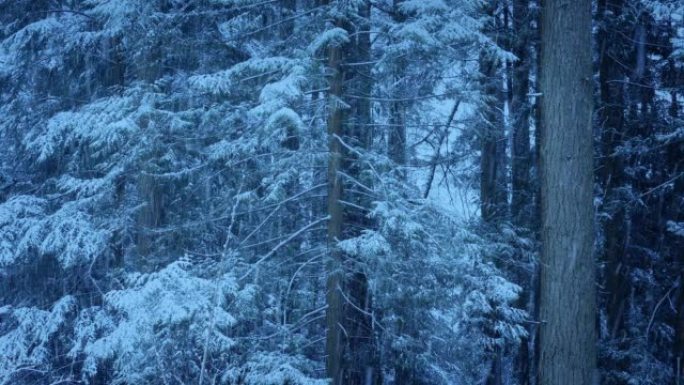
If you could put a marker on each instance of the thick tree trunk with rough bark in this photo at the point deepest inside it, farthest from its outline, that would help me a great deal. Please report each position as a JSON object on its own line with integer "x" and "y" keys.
{"x": 568, "y": 290}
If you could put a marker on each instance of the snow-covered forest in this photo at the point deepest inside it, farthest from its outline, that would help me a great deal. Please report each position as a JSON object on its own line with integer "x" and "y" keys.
{"x": 343, "y": 192}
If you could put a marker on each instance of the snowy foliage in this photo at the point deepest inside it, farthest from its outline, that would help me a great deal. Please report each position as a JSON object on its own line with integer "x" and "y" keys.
{"x": 444, "y": 303}
{"x": 163, "y": 191}
{"x": 145, "y": 329}
{"x": 29, "y": 228}
{"x": 28, "y": 337}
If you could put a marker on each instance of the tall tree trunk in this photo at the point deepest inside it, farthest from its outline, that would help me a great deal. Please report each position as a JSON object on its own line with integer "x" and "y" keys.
{"x": 397, "y": 125}
{"x": 611, "y": 171}
{"x": 351, "y": 352}
{"x": 535, "y": 219}
{"x": 520, "y": 110}
{"x": 568, "y": 291}
{"x": 493, "y": 189}
{"x": 288, "y": 219}
{"x": 678, "y": 345}
{"x": 334, "y": 313}
{"x": 520, "y": 164}
{"x": 362, "y": 350}
{"x": 676, "y": 242}
{"x": 492, "y": 178}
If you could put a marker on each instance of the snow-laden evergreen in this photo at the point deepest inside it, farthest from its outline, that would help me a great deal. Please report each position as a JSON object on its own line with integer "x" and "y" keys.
{"x": 163, "y": 210}
{"x": 165, "y": 169}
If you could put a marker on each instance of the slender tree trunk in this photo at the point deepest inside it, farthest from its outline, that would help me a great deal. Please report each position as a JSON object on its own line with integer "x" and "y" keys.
{"x": 352, "y": 357}
{"x": 520, "y": 164}
{"x": 673, "y": 209}
{"x": 568, "y": 298}
{"x": 397, "y": 122}
{"x": 334, "y": 313}
{"x": 611, "y": 171}
{"x": 671, "y": 203}
{"x": 535, "y": 220}
{"x": 520, "y": 110}
{"x": 363, "y": 367}
{"x": 149, "y": 217}
{"x": 493, "y": 189}
{"x": 493, "y": 143}
{"x": 397, "y": 135}
{"x": 288, "y": 219}
{"x": 495, "y": 377}
{"x": 288, "y": 11}
{"x": 678, "y": 348}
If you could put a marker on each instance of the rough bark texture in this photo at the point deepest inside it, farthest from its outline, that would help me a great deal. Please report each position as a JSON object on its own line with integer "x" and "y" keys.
{"x": 568, "y": 298}
{"x": 352, "y": 357}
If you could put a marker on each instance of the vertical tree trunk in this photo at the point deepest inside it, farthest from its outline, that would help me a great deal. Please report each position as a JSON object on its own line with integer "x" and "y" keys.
{"x": 149, "y": 217}
{"x": 568, "y": 303}
{"x": 397, "y": 125}
{"x": 494, "y": 377}
{"x": 676, "y": 242}
{"x": 520, "y": 164}
{"x": 492, "y": 178}
{"x": 289, "y": 218}
{"x": 404, "y": 369}
{"x": 350, "y": 344}
{"x": 287, "y": 16}
{"x": 334, "y": 315}
{"x": 363, "y": 365}
{"x": 397, "y": 135}
{"x": 493, "y": 189}
{"x": 535, "y": 219}
{"x": 520, "y": 110}
{"x": 611, "y": 80}
{"x": 678, "y": 346}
